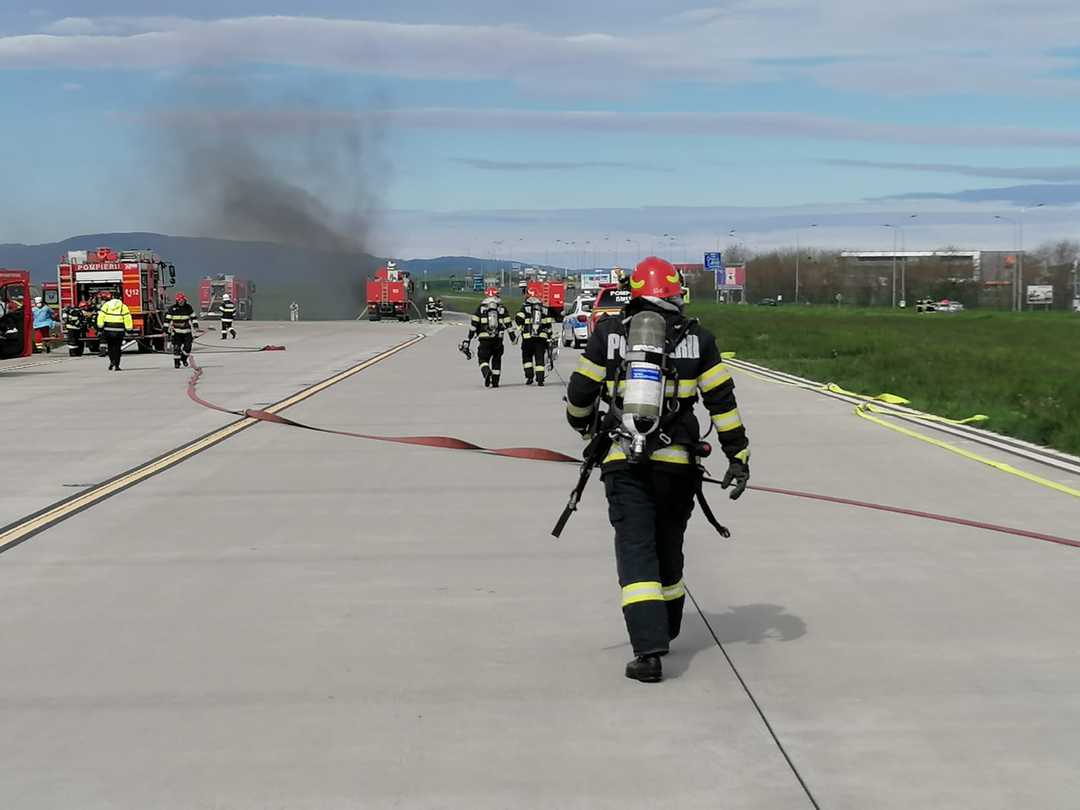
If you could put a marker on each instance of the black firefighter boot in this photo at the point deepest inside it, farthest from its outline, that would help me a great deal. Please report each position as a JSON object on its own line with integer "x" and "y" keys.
{"x": 645, "y": 668}
{"x": 487, "y": 377}
{"x": 176, "y": 362}
{"x": 540, "y": 379}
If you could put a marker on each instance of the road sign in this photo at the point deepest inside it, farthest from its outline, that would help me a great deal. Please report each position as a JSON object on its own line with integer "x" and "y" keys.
{"x": 1040, "y": 294}
{"x": 714, "y": 262}
{"x": 731, "y": 278}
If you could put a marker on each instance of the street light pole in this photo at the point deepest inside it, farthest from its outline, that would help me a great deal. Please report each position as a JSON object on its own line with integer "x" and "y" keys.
{"x": 894, "y": 232}
{"x": 1016, "y": 276}
{"x": 798, "y": 256}
{"x": 1020, "y": 285}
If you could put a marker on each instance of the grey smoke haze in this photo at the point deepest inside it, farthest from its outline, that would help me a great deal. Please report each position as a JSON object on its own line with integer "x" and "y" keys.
{"x": 311, "y": 187}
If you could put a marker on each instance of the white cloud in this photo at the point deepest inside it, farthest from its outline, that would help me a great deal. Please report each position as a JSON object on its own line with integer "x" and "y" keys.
{"x": 1049, "y": 174}
{"x": 854, "y": 226}
{"x": 613, "y": 123}
{"x": 921, "y": 46}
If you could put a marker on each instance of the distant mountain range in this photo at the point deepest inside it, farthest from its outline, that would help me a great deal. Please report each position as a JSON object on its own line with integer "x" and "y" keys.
{"x": 266, "y": 262}
{"x": 326, "y": 284}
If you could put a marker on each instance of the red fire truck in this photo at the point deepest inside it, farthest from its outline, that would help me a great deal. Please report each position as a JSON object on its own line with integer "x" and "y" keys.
{"x": 137, "y": 277}
{"x": 212, "y": 291}
{"x": 16, "y": 314}
{"x": 390, "y": 294}
{"x": 552, "y": 293}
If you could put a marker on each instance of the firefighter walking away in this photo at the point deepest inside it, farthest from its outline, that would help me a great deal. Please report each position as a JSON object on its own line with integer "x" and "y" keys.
{"x": 114, "y": 322}
{"x": 228, "y": 313}
{"x": 182, "y": 325}
{"x": 75, "y": 328}
{"x": 490, "y": 320}
{"x": 650, "y": 366}
{"x": 535, "y": 324}
{"x": 431, "y": 310}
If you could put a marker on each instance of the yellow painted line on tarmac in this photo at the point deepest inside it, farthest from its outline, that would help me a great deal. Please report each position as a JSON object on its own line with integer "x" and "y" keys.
{"x": 25, "y": 528}
{"x": 867, "y": 410}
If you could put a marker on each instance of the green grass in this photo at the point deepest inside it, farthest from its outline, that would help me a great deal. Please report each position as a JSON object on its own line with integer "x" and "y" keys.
{"x": 1021, "y": 370}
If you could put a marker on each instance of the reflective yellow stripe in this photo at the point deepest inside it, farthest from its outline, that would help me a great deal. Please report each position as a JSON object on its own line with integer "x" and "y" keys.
{"x": 611, "y": 387}
{"x": 642, "y": 592}
{"x": 672, "y": 592}
{"x": 743, "y": 455}
{"x": 675, "y": 454}
{"x": 714, "y": 377}
{"x": 687, "y": 388}
{"x": 587, "y": 368}
{"x": 577, "y": 412}
{"x": 614, "y": 454}
{"x": 527, "y": 365}
{"x": 727, "y": 421}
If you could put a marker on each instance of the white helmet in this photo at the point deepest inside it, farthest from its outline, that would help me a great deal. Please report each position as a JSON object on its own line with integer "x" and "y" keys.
{"x": 38, "y": 300}
{"x": 430, "y": 300}
{"x": 226, "y": 297}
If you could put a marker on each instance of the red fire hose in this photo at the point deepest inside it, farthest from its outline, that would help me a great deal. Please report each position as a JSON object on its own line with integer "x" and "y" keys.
{"x": 542, "y": 454}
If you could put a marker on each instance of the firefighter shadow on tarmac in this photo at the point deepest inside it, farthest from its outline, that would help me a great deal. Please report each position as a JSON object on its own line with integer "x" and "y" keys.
{"x": 745, "y": 624}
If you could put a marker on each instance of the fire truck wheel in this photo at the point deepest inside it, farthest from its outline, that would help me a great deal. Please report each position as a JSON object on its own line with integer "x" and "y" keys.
{"x": 144, "y": 346}
{"x": 159, "y": 344}
{"x": 75, "y": 351}
{"x": 373, "y": 316}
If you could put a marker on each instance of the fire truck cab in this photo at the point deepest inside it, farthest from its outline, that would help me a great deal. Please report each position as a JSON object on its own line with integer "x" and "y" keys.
{"x": 16, "y": 314}
{"x": 212, "y": 291}
{"x": 390, "y": 294}
{"x": 552, "y": 293}
{"x": 139, "y": 278}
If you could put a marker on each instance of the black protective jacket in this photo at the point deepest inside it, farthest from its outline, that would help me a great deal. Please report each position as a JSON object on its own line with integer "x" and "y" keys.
{"x": 698, "y": 372}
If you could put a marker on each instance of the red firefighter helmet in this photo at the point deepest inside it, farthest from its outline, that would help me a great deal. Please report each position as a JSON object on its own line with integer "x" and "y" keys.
{"x": 180, "y": 298}
{"x": 655, "y": 278}
{"x": 492, "y": 292}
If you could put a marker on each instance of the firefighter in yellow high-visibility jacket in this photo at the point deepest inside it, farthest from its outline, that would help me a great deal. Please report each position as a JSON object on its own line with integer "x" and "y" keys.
{"x": 114, "y": 322}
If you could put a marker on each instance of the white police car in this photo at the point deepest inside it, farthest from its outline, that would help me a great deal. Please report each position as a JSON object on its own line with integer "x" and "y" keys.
{"x": 575, "y": 325}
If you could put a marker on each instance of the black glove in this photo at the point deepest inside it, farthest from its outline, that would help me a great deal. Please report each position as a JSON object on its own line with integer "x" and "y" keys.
{"x": 513, "y": 337}
{"x": 738, "y": 473}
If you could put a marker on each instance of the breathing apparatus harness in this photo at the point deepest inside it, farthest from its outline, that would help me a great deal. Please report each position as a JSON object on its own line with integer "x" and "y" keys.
{"x": 641, "y": 424}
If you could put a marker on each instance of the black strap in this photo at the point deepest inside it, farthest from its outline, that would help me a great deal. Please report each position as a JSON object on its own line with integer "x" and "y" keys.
{"x": 708, "y": 512}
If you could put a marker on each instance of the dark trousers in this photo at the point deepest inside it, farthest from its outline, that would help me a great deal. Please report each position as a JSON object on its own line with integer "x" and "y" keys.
{"x": 534, "y": 357}
{"x": 226, "y": 326}
{"x": 489, "y": 352}
{"x": 114, "y": 341}
{"x": 181, "y": 345}
{"x": 649, "y": 508}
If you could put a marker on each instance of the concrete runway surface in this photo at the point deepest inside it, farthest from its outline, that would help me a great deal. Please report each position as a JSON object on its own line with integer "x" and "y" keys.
{"x": 291, "y": 619}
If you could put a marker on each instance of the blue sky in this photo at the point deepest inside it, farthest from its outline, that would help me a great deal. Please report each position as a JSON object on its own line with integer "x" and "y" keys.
{"x": 485, "y": 122}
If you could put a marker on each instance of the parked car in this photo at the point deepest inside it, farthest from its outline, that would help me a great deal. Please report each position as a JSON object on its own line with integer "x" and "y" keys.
{"x": 767, "y": 302}
{"x": 928, "y": 305}
{"x": 575, "y": 325}
{"x": 609, "y": 301}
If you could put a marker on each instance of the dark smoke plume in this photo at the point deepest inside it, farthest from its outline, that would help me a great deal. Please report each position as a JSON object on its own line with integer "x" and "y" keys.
{"x": 306, "y": 182}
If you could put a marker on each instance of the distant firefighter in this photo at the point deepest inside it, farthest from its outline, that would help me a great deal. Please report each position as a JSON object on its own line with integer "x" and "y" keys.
{"x": 490, "y": 320}
{"x": 182, "y": 325}
{"x": 114, "y": 322}
{"x": 536, "y": 324}
{"x": 228, "y": 313}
